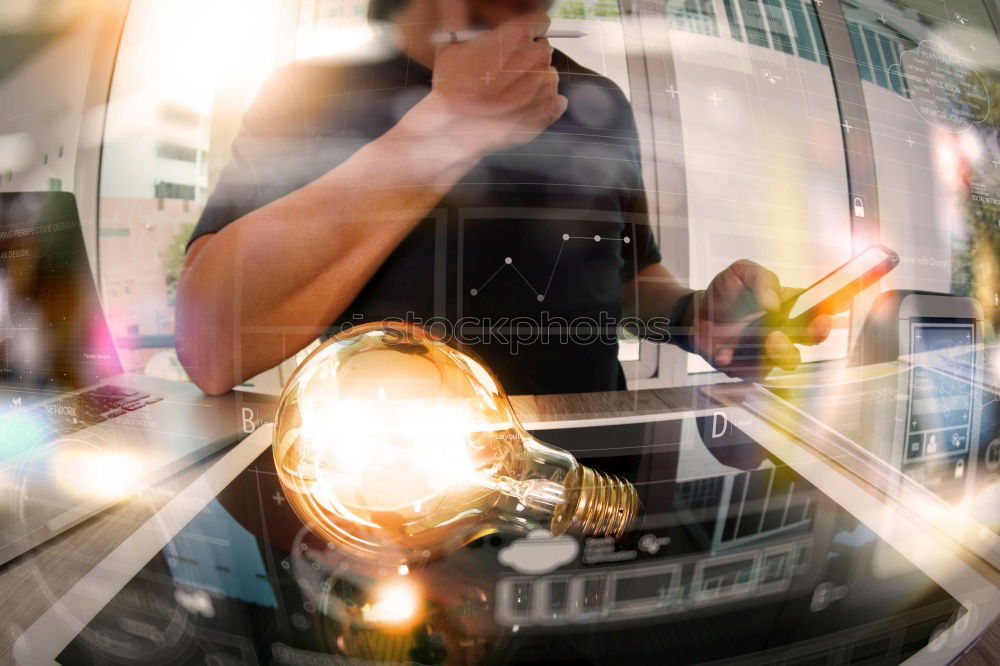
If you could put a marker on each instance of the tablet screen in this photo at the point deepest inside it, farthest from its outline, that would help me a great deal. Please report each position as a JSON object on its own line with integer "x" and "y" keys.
{"x": 930, "y": 421}
{"x": 736, "y": 555}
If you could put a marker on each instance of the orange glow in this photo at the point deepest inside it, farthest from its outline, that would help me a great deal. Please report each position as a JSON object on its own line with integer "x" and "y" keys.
{"x": 97, "y": 474}
{"x": 394, "y": 603}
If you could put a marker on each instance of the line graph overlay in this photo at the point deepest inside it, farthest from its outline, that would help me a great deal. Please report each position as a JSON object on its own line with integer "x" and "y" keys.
{"x": 540, "y": 295}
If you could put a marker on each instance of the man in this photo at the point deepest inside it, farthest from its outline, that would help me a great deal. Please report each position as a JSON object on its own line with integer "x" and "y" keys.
{"x": 494, "y": 184}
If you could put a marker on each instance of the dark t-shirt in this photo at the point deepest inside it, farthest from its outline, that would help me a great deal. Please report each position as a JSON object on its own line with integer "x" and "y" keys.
{"x": 523, "y": 261}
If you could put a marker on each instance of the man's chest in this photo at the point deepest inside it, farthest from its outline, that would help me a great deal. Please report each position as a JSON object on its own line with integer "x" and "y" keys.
{"x": 586, "y": 159}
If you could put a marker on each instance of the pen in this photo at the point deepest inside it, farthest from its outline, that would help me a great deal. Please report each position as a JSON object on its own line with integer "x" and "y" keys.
{"x": 466, "y": 35}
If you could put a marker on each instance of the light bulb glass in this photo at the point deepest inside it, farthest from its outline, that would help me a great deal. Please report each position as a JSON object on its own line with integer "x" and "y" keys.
{"x": 397, "y": 447}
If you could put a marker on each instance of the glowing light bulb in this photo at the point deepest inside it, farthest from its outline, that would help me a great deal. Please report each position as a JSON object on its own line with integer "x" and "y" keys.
{"x": 396, "y": 447}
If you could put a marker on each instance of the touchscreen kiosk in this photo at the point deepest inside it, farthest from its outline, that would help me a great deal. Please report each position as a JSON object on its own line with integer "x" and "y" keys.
{"x": 921, "y": 407}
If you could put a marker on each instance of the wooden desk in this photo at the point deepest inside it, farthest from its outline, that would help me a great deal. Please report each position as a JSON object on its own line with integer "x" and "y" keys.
{"x": 32, "y": 582}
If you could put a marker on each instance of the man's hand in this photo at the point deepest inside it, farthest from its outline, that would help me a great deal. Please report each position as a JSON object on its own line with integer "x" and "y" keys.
{"x": 494, "y": 92}
{"x": 737, "y": 296}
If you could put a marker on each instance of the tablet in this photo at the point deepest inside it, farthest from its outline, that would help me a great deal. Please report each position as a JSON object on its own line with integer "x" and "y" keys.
{"x": 742, "y": 553}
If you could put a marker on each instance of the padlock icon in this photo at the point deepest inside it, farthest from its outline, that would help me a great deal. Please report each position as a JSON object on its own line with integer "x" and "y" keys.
{"x": 859, "y": 207}
{"x": 959, "y": 469}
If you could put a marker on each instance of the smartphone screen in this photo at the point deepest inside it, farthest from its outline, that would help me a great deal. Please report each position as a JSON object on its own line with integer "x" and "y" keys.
{"x": 860, "y": 266}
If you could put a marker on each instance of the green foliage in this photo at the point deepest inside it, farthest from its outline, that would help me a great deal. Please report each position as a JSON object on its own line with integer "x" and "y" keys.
{"x": 605, "y": 9}
{"x": 172, "y": 257}
{"x": 572, "y": 9}
{"x": 976, "y": 252}
{"x": 583, "y": 9}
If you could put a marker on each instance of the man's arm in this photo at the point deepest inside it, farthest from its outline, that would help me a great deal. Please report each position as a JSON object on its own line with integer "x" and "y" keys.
{"x": 716, "y": 317}
{"x": 652, "y": 293}
{"x": 271, "y": 282}
{"x": 266, "y": 285}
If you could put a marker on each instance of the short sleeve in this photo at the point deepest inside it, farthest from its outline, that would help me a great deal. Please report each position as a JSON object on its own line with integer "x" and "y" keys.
{"x": 267, "y": 155}
{"x": 642, "y": 249}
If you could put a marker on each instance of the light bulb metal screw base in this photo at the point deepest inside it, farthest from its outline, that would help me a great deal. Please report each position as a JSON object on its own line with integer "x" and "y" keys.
{"x": 605, "y": 505}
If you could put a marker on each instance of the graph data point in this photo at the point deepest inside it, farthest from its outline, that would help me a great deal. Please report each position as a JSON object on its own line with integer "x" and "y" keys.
{"x": 508, "y": 260}
{"x": 597, "y": 239}
{"x": 473, "y": 291}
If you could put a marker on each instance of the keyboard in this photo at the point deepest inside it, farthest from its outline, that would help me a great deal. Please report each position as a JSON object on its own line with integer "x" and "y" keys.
{"x": 104, "y": 403}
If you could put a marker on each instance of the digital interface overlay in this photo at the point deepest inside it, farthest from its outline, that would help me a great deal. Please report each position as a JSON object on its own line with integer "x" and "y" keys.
{"x": 752, "y": 547}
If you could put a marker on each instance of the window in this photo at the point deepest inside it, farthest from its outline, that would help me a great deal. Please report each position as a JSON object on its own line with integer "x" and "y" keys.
{"x": 178, "y": 115}
{"x": 174, "y": 191}
{"x": 734, "y": 22}
{"x": 172, "y": 115}
{"x": 173, "y": 151}
{"x": 877, "y": 49}
{"x": 927, "y": 89}
{"x": 694, "y": 16}
{"x": 860, "y": 52}
{"x": 780, "y": 35}
{"x": 790, "y": 25}
{"x": 875, "y": 57}
{"x": 753, "y": 23}
{"x": 747, "y": 120}
{"x": 807, "y": 39}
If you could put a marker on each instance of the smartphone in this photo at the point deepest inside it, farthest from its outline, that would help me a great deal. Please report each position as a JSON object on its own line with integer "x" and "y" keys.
{"x": 831, "y": 294}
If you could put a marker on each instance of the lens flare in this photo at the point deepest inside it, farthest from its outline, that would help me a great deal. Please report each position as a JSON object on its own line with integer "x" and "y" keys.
{"x": 97, "y": 474}
{"x": 394, "y": 603}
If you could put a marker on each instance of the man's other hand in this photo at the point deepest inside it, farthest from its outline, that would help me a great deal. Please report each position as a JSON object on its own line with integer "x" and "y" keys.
{"x": 736, "y": 297}
{"x": 496, "y": 91}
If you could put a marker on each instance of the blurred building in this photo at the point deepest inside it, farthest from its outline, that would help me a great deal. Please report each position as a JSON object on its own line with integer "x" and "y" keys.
{"x": 180, "y": 89}
{"x": 318, "y": 12}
